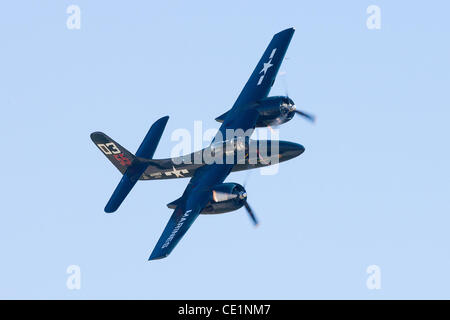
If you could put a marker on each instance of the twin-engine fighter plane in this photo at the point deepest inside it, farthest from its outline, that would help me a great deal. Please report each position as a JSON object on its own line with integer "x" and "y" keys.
{"x": 206, "y": 192}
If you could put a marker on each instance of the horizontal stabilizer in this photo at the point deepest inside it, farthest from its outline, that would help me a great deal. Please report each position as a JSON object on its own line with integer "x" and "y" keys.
{"x": 148, "y": 146}
{"x": 125, "y": 185}
{"x": 131, "y": 166}
{"x": 120, "y": 193}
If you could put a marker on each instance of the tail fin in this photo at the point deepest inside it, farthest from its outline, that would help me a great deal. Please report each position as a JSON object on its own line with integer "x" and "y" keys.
{"x": 133, "y": 167}
{"x": 120, "y": 157}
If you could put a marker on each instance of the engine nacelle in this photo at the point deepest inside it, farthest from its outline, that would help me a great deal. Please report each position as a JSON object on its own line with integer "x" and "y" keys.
{"x": 274, "y": 111}
{"x": 224, "y": 197}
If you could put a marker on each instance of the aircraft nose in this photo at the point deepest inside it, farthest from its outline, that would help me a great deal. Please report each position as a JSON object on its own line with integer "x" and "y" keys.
{"x": 291, "y": 149}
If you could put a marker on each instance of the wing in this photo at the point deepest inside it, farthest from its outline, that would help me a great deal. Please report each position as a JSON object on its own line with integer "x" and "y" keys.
{"x": 179, "y": 223}
{"x": 242, "y": 115}
{"x": 263, "y": 77}
{"x": 194, "y": 199}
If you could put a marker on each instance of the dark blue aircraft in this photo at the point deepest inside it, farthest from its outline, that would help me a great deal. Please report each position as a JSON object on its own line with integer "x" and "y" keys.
{"x": 206, "y": 192}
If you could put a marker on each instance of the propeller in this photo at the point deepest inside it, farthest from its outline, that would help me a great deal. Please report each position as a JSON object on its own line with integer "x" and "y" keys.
{"x": 247, "y": 206}
{"x": 219, "y": 196}
{"x": 250, "y": 213}
{"x": 306, "y": 115}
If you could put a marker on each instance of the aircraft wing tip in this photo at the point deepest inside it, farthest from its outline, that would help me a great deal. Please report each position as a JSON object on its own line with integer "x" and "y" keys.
{"x": 157, "y": 257}
{"x": 289, "y": 32}
{"x": 291, "y": 29}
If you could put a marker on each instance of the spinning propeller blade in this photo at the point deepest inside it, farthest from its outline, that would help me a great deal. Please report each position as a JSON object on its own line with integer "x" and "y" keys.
{"x": 250, "y": 213}
{"x": 247, "y": 206}
{"x": 306, "y": 115}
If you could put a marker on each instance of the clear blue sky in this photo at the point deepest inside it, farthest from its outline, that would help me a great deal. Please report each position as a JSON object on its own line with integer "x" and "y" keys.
{"x": 371, "y": 188}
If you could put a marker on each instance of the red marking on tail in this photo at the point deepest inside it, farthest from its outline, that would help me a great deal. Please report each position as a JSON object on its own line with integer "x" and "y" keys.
{"x": 124, "y": 161}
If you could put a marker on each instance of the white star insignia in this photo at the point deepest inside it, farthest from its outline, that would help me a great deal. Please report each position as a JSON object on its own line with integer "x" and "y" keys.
{"x": 267, "y": 65}
{"x": 176, "y": 172}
